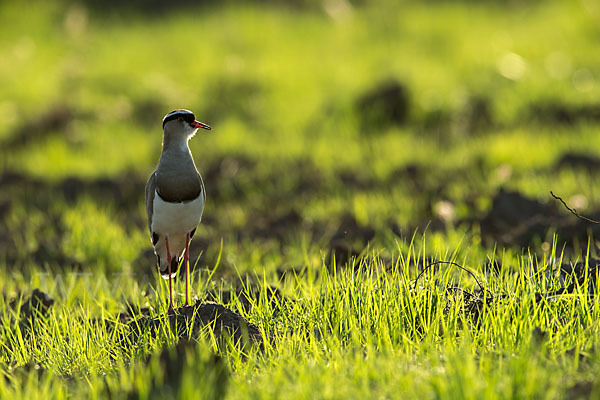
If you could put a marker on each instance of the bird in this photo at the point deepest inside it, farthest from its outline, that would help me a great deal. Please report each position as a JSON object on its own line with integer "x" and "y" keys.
{"x": 175, "y": 197}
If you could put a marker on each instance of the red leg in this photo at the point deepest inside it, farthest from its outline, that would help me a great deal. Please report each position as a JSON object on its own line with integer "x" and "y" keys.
{"x": 169, "y": 262}
{"x": 186, "y": 261}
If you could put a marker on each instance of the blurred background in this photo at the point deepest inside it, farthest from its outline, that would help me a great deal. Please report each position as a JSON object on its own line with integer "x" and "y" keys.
{"x": 336, "y": 124}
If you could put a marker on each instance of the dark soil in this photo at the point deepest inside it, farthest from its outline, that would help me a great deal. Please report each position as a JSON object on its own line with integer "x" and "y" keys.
{"x": 477, "y": 115}
{"x": 581, "y": 275}
{"x": 272, "y": 226}
{"x": 125, "y": 191}
{"x": 558, "y": 112}
{"x": 387, "y": 104}
{"x": 358, "y": 180}
{"x": 580, "y": 390}
{"x": 52, "y": 122}
{"x": 579, "y": 161}
{"x": 273, "y": 199}
{"x": 474, "y": 117}
{"x": 516, "y": 220}
{"x": 38, "y": 304}
{"x": 411, "y": 174}
{"x": 349, "y": 240}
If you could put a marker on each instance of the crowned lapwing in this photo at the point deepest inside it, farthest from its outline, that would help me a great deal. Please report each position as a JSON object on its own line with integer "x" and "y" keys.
{"x": 175, "y": 197}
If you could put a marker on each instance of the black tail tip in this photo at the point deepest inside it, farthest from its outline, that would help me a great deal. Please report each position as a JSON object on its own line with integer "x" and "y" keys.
{"x": 174, "y": 269}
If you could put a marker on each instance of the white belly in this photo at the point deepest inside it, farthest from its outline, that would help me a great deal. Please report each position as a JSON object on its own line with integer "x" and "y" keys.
{"x": 176, "y": 218}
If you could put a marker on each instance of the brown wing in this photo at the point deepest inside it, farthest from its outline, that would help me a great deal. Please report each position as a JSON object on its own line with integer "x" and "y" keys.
{"x": 175, "y": 186}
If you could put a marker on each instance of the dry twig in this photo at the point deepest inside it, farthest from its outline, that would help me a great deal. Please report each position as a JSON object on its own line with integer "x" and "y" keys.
{"x": 574, "y": 211}
{"x": 456, "y": 265}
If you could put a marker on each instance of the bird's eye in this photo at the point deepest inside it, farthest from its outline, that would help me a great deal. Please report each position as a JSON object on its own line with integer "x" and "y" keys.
{"x": 180, "y": 119}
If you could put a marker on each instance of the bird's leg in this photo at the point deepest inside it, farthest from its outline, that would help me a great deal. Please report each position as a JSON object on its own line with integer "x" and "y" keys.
{"x": 169, "y": 262}
{"x": 186, "y": 261}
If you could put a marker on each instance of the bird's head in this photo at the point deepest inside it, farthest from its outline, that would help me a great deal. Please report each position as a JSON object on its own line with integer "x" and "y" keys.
{"x": 182, "y": 122}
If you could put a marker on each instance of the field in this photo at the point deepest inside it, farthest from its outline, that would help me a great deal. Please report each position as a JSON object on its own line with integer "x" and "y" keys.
{"x": 378, "y": 224}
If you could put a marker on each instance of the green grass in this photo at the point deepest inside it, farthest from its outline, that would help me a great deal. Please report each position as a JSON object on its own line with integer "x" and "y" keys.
{"x": 370, "y": 330}
{"x": 280, "y": 85}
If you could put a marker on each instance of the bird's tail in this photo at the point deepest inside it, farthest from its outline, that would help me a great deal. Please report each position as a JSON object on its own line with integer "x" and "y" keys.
{"x": 164, "y": 273}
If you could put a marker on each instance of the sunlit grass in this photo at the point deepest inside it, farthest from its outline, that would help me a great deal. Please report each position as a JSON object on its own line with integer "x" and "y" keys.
{"x": 93, "y": 236}
{"x": 280, "y": 87}
{"x": 370, "y": 329}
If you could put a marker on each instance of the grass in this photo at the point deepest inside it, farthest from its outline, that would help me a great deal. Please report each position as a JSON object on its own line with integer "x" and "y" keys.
{"x": 369, "y": 330}
{"x": 497, "y": 95}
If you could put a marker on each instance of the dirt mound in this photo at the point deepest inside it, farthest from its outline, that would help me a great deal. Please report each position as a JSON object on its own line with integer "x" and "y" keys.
{"x": 580, "y": 161}
{"x": 126, "y": 191}
{"x": 51, "y": 122}
{"x": 273, "y": 226}
{"x": 475, "y": 116}
{"x": 38, "y": 304}
{"x": 350, "y": 239}
{"x": 385, "y": 105}
{"x": 557, "y": 112}
{"x": 516, "y": 220}
{"x": 190, "y": 320}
